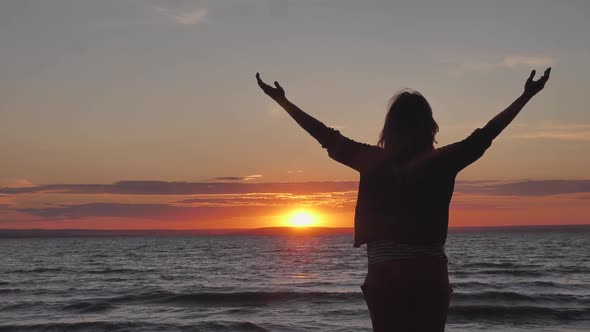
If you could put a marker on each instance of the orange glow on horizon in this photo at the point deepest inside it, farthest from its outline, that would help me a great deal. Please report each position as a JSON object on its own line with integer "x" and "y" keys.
{"x": 220, "y": 211}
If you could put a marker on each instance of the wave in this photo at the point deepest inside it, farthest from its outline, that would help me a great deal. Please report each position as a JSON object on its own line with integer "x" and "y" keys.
{"x": 23, "y": 305}
{"x": 496, "y": 312}
{"x": 38, "y": 270}
{"x": 236, "y": 298}
{"x": 528, "y": 285}
{"x": 508, "y": 297}
{"x": 568, "y": 269}
{"x": 483, "y": 269}
{"x": 231, "y": 326}
{"x": 487, "y": 298}
{"x": 121, "y": 271}
{"x": 501, "y": 272}
{"x": 100, "y": 326}
{"x": 489, "y": 305}
{"x": 95, "y": 271}
{"x": 88, "y": 306}
{"x": 211, "y": 299}
{"x": 10, "y": 290}
{"x": 496, "y": 265}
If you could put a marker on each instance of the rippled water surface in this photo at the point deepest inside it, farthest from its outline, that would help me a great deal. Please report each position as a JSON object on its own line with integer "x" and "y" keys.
{"x": 502, "y": 280}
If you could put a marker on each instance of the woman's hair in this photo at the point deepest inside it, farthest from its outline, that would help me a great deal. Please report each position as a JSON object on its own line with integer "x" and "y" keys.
{"x": 409, "y": 127}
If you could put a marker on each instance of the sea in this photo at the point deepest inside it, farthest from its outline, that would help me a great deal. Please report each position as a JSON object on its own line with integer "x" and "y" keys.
{"x": 504, "y": 279}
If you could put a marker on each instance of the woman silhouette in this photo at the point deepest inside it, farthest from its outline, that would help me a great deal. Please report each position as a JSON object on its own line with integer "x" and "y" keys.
{"x": 403, "y": 201}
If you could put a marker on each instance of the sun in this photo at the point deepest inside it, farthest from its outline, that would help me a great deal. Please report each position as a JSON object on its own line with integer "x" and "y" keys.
{"x": 301, "y": 218}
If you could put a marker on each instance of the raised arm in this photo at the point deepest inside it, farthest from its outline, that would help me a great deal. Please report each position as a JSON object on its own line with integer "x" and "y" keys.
{"x": 456, "y": 156}
{"x": 358, "y": 156}
{"x": 310, "y": 124}
{"x": 504, "y": 118}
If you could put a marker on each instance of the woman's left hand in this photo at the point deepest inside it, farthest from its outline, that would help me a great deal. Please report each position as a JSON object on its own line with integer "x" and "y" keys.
{"x": 276, "y": 93}
{"x": 532, "y": 87}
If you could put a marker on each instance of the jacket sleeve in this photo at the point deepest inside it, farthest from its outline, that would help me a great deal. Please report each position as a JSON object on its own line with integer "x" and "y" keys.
{"x": 456, "y": 156}
{"x": 344, "y": 150}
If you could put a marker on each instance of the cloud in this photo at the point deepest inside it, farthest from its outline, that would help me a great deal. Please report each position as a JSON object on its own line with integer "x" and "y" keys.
{"x": 328, "y": 199}
{"x": 209, "y": 203}
{"x": 184, "y": 17}
{"x": 555, "y": 135}
{"x": 510, "y": 62}
{"x": 19, "y": 183}
{"x": 529, "y": 61}
{"x": 570, "y": 132}
{"x": 145, "y": 211}
{"x": 160, "y": 212}
{"x": 188, "y": 188}
{"x": 525, "y": 187}
{"x": 484, "y": 206}
{"x": 237, "y": 178}
{"x": 522, "y": 187}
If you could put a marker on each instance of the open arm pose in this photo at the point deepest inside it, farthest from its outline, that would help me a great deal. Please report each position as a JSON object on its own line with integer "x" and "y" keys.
{"x": 313, "y": 126}
{"x": 358, "y": 156}
{"x": 456, "y": 156}
{"x": 362, "y": 156}
{"x": 531, "y": 88}
{"x": 402, "y": 210}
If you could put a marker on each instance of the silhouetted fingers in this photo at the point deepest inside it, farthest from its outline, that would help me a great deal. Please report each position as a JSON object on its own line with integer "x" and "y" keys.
{"x": 258, "y": 79}
{"x": 546, "y": 74}
{"x": 532, "y": 75}
{"x": 278, "y": 85}
{"x": 261, "y": 83}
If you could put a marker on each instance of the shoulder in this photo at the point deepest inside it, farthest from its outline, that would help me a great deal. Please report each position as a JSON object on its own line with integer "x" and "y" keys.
{"x": 372, "y": 157}
{"x": 479, "y": 139}
{"x": 460, "y": 154}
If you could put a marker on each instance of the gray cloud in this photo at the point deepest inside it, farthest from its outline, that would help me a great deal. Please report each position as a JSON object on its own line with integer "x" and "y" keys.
{"x": 480, "y": 206}
{"x": 161, "y": 212}
{"x": 331, "y": 199}
{"x": 222, "y": 200}
{"x": 515, "y": 188}
{"x": 229, "y": 178}
{"x": 143, "y": 211}
{"x": 187, "y": 188}
{"x": 526, "y": 187}
{"x": 236, "y": 178}
{"x": 509, "y": 61}
{"x": 183, "y": 16}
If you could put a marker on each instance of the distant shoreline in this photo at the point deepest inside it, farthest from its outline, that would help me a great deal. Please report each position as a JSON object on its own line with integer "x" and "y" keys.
{"x": 267, "y": 231}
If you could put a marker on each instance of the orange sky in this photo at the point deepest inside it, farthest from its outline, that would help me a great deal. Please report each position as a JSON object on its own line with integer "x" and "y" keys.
{"x": 93, "y": 92}
{"x": 246, "y": 204}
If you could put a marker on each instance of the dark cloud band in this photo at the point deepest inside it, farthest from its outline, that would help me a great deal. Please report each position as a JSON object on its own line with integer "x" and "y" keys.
{"x": 516, "y": 188}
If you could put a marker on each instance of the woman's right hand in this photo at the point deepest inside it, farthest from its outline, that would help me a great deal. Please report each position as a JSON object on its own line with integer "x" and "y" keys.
{"x": 277, "y": 93}
{"x": 531, "y": 87}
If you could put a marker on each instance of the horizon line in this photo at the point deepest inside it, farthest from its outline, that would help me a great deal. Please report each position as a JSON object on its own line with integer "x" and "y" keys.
{"x": 257, "y": 228}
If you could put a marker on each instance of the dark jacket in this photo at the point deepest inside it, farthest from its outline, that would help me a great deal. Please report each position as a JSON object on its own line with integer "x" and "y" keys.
{"x": 406, "y": 201}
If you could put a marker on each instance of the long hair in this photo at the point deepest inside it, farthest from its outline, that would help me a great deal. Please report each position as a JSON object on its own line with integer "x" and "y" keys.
{"x": 409, "y": 128}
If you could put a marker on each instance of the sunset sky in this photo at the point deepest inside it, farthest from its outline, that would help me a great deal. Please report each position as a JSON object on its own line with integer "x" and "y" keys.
{"x": 135, "y": 114}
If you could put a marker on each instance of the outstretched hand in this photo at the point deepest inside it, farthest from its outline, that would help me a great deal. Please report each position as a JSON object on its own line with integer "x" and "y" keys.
{"x": 275, "y": 93}
{"x": 533, "y": 87}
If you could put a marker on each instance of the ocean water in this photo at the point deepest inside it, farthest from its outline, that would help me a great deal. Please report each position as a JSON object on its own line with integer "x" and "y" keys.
{"x": 526, "y": 280}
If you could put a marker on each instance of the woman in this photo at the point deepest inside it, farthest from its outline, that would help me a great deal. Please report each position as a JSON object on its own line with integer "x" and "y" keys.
{"x": 403, "y": 202}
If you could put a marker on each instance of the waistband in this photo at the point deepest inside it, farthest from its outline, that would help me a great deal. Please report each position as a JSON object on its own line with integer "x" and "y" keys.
{"x": 380, "y": 251}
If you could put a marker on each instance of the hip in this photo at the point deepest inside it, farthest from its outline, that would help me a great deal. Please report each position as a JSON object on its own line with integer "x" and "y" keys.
{"x": 427, "y": 273}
